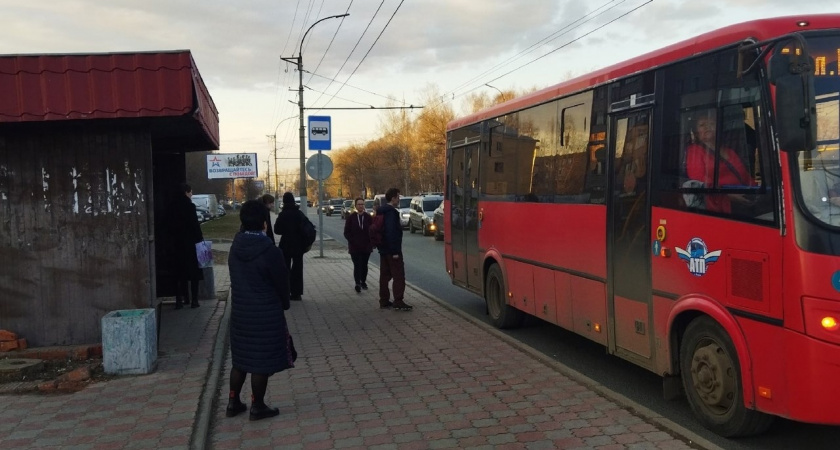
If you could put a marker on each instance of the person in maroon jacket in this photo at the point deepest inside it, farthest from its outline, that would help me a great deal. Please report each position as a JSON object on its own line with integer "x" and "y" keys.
{"x": 358, "y": 242}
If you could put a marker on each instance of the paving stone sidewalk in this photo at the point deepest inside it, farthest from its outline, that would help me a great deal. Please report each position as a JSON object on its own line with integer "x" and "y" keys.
{"x": 429, "y": 378}
{"x": 366, "y": 378}
{"x": 159, "y": 410}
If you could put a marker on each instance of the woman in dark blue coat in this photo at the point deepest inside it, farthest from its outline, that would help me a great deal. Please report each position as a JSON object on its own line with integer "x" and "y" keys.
{"x": 260, "y": 343}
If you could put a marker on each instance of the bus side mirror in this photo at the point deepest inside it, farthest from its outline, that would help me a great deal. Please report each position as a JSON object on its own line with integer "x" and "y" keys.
{"x": 796, "y": 110}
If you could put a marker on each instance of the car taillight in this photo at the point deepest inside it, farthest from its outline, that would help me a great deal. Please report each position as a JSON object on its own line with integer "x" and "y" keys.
{"x": 822, "y": 319}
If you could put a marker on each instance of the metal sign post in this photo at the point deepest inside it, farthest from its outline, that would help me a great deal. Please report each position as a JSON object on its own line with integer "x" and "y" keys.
{"x": 320, "y": 167}
{"x": 320, "y": 138}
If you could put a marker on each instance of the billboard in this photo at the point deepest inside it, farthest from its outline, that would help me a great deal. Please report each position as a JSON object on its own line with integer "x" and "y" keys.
{"x": 231, "y": 165}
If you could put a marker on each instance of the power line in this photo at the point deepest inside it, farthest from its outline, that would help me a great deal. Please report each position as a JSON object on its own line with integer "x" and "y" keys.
{"x": 452, "y": 92}
{"x": 324, "y": 55}
{"x": 356, "y": 45}
{"x": 571, "y": 42}
{"x": 562, "y": 31}
{"x": 355, "y": 87}
{"x": 369, "y": 50}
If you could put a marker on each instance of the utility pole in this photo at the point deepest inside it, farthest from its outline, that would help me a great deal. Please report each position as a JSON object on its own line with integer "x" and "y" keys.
{"x": 299, "y": 62}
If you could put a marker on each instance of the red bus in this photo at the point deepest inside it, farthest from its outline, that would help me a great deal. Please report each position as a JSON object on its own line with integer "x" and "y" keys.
{"x": 681, "y": 208}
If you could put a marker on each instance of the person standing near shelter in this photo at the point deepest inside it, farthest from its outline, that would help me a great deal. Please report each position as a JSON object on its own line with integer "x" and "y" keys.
{"x": 185, "y": 233}
{"x": 356, "y": 229}
{"x": 289, "y": 225}
{"x": 391, "y": 264}
{"x": 260, "y": 343}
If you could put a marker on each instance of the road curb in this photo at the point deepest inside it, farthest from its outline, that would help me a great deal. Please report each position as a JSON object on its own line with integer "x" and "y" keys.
{"x": 201, "y": 427}
{"x": 693, "y": 438}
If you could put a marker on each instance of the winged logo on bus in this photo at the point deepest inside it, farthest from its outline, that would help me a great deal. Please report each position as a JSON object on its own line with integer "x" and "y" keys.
{"x": 697, "y": 256}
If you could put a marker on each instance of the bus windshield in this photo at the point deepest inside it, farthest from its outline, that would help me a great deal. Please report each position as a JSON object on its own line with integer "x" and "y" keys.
{"x": 819, "y": 169}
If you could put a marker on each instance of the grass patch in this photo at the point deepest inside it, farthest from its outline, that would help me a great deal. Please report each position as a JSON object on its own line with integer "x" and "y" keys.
{"x": 224, "y": 227}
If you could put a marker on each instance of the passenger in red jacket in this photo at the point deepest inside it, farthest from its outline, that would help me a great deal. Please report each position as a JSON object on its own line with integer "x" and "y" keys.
{"x": 356, "y": 231}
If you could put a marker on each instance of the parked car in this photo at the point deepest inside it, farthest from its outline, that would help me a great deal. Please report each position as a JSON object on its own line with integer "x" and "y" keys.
{"x": 378, "y": 200}
{"x": 405, "y": 203}
{"x": 438, "y": 218}
{"x": 347, "y": 208}
{"x": 222, "y": 211}
{"x": 203, "y": 214}
{"x": 405, "y": 208}
{"x": 208, "y": 202}
{"x": 335, "y": 206}
{"x": 421, "y": 213}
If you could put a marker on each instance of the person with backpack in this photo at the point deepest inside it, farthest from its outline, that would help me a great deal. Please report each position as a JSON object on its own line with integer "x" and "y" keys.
{"x": 357, "y": 233}
{"x": 297, "y": 234}
{"x": 386, "y": 232}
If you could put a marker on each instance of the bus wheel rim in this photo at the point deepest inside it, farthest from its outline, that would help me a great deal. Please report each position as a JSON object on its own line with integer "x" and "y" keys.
{"x": 713, "y": 376}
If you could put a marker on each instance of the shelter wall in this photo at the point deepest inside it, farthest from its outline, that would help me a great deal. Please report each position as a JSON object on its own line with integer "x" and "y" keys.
{"x": 76, "y": 208}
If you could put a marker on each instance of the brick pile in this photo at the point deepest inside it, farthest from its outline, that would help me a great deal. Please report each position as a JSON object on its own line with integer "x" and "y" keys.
{"x": 10, "y": 341}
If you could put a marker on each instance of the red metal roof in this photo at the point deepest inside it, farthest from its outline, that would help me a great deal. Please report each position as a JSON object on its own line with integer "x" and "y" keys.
{"x": 51, "y": 87}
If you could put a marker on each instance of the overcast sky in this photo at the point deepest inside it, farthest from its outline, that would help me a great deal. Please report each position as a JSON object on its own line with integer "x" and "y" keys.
{"x": 386, "y": 53}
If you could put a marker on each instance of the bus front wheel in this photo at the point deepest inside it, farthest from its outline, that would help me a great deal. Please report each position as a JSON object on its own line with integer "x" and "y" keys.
{"x": 501, "y": 314}
{"x": 711, "y": 377}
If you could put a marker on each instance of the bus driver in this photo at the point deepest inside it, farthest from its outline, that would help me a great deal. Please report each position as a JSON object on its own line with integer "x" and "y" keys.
{"x": 700, "y": 165}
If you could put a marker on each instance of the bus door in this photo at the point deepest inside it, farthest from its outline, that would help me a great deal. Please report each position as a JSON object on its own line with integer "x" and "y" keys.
{"x": 463, "y": 194}
{"x": 629, "y": 302}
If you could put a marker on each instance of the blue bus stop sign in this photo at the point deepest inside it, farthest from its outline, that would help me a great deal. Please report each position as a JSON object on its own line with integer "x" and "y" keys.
{"x": 320, "y": 133}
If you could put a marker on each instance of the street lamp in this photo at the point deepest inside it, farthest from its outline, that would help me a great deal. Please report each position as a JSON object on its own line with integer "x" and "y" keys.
{"x": 501, "y": 94}
{"x": 299, "y": 62}
{"x": 274, "y": 138}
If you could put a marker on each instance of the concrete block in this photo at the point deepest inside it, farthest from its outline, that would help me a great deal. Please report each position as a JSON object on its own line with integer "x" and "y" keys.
{"x": 129, "y": 341}
{"x": 207, "y": 286}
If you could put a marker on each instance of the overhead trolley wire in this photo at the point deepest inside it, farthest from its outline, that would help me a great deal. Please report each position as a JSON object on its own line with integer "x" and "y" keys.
{"x": 368, "y": 52}
{"x": 324, "y": 55}
{"x": 356, "y": 45}
{"x": 562, "y": 31}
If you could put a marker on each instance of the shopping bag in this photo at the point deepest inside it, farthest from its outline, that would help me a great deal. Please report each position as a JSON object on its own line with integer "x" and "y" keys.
{"x": 204, "y": 253}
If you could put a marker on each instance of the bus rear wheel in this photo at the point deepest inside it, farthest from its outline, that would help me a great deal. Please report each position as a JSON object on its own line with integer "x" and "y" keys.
{"x": 711, "y": 377}
{"x": 501, "y": 314}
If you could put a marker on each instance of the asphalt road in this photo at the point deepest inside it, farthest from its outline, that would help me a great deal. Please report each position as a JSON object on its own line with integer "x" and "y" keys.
{"x": 424, "y": 260}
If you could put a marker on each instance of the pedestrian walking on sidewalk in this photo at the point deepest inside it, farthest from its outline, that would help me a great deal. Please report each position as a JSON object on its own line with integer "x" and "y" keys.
{"x": 391, "y": 265}
{"x": 185, "y": 232}
{"x": 356, "y": 229}
{"x": 260, "y": 343}
{"x": 289, "y": 225}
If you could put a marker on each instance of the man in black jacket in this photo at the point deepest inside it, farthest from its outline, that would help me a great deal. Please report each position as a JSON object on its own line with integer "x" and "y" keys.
{"x": 391, "y": 264}
{"x": 290, "y": 227}
{"x": 260, "y": 343}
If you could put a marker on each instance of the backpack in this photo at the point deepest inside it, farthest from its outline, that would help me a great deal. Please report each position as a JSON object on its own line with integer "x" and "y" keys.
{"x": 376, "y": 232}
{"x": 308, "y": 232}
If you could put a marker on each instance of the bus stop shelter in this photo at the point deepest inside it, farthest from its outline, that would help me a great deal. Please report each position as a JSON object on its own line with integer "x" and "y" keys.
{"x": 91, "y": 148}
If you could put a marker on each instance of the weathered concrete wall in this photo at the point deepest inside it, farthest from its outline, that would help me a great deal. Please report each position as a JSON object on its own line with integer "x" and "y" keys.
{"x": 75, "y": 217}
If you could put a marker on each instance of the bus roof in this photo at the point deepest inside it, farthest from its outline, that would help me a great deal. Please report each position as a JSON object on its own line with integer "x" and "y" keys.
{"x": 762, "y": 29}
